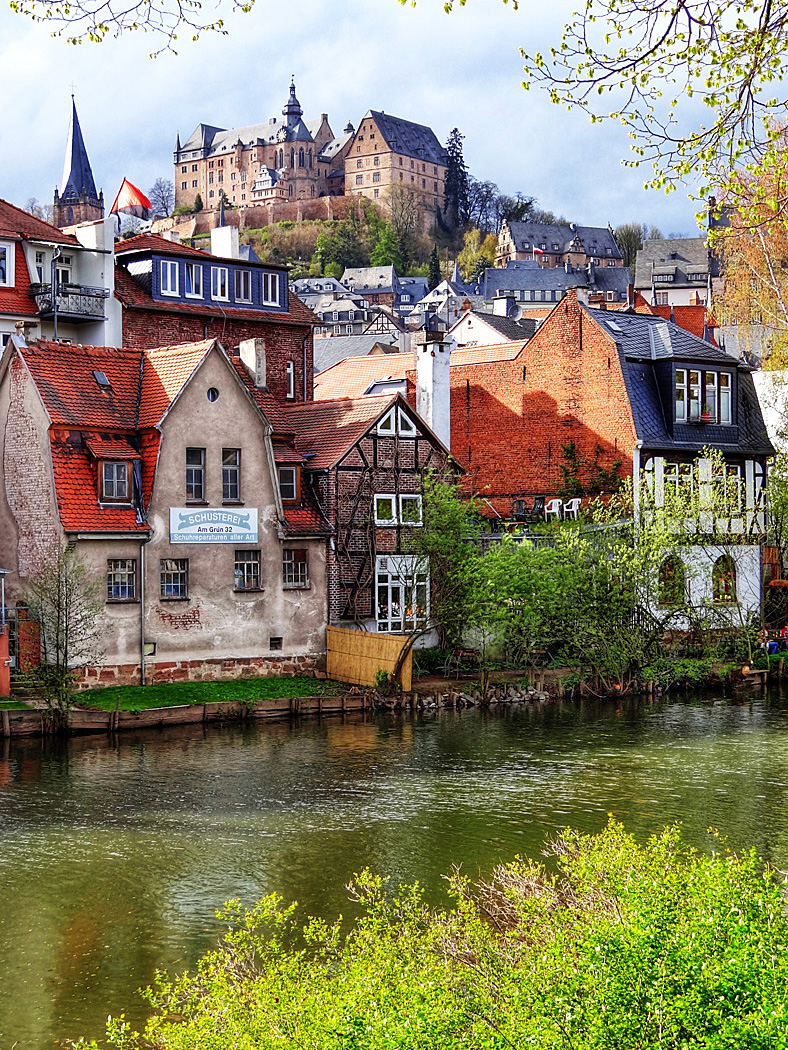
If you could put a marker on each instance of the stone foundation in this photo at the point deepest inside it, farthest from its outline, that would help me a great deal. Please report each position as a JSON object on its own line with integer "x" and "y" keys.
{"x": 199, "y": 670}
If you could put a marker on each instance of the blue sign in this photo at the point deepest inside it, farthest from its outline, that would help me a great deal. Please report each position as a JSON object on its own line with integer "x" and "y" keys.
{"x": 212, "y": 525}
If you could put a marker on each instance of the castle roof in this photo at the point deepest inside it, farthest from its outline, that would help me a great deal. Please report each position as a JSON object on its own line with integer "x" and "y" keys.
{"x": 412, "y": 140}
{"x": 564, "y": 237}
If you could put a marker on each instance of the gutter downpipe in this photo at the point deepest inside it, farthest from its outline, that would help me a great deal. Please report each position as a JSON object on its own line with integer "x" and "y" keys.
{"x": 143, "y": 545}
{"x": 306, "y": 388}
{"x": 636, "y": 487}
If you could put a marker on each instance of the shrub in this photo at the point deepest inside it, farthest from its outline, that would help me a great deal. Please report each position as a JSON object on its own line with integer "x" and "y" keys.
{"x": 656, "y": 947}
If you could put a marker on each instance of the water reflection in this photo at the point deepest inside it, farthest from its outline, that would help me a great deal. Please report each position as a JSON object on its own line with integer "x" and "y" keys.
{"x": 115, "y": 854}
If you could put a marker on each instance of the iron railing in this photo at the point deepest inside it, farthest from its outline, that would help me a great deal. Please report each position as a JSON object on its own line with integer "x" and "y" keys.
{"x": 73, "y": 300}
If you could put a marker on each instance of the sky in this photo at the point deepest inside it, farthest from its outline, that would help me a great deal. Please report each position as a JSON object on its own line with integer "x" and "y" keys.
{"x": 458, "y": 70}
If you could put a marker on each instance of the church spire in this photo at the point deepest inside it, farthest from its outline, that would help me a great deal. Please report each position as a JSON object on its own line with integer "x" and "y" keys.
{"x": 77, "y": 200}
{"x": 292, "y": 111}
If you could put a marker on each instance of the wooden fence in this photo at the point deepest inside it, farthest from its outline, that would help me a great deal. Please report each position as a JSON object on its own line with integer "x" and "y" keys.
{"x": 357, "y": 656}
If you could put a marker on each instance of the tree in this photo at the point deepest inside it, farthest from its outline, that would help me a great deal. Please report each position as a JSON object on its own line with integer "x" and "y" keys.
{"x": 198, "y": 205}
{"x": 41, "y": 211}
{"x": 455, "y": 187}
{"x": 162, "y": 197}
{"x": 434, "y": 273}
{"x": 386, "y": 251}
{"x": 406, "y": 215}
{"x": 629, "y": 238}
{"x": 67, "y": 603}
{"x": 477, "y": 254}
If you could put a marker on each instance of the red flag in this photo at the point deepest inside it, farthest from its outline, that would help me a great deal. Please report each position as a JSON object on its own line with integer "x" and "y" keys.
{"x": 131, "y": 201}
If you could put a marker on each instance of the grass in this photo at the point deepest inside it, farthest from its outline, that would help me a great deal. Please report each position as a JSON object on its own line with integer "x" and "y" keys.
{"x": 8, "y": 703}
{"x": 174, "y": 694}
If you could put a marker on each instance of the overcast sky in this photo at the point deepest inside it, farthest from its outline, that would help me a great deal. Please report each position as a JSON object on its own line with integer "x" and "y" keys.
{"x": 459, "y": 70}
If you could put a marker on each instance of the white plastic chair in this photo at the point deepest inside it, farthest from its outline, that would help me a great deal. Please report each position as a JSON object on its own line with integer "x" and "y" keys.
{"x": 553, "y": 509}
{"x": 571, "y": 507}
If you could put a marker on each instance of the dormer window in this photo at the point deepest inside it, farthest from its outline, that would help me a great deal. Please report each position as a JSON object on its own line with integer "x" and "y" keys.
{"x": 6, "y": 264}
{"x": 169, "y": 277}
{"x": 219, "y": 287}
{"x": 193, "y": 280}
{"x": 288, "y": 484}
{"x": 115, "y": 486}
{"x": 703, "y": 396}
{"x": 271, "y": 289}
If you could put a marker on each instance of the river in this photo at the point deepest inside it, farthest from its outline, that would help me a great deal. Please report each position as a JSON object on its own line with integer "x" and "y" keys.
{"x": 115, "y": 855}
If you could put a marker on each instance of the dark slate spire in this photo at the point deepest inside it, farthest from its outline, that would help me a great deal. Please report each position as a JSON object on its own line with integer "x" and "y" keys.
{"x": 77, "y": 176}
{"x": 292, "y": 111}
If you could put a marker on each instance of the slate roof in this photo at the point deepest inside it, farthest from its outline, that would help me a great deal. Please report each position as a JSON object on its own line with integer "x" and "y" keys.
{"x": 644, "y": 341}
{"x": 330, "y": 351}
{"x": 527, "y": 275}
{"x": 680, "y": 256}
{"x": 509, "y": 327}
{"x": 370, "y": 278}
{"x": 405, "y": 137}
{"x": 77, "y": 173}
{"x": 330, "y": 150}
{"x": 594, "y": 240}
{"x": 352, "y": 377}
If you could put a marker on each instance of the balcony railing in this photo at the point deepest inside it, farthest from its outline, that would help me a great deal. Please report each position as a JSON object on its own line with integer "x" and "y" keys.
{"x": 75, "y": 302}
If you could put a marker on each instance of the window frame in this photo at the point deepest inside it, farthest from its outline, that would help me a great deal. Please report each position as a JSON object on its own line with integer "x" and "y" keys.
{"x": 104, "y": 481}
{"x": 390, "y": 577}
{"x": 723, "y": 582}
{"x": 243, "y": 277}
{"x": 121, "y": 576}
{"x": 231, "y": 475}
{"x": 280, "y": 471}
{"x": 192, "y": 270}
{"x": 9, "y": 279}
{"x": 173, "y": 579}
{"x": 293, "y": 576}
{"x": 216, "y": 279}
{"x": 703, "y": 388}
{"x": 247, "y": 570}
{"x": 195, "y": 476}
{"x": 168, "y": 267}
{"x": 271, "y": 291}
{"x": 290, "y": 378}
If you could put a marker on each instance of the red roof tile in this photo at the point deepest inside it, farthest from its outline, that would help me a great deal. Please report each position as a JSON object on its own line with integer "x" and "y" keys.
{"x": 18, "y": 300}
{"x": 14, "y": 222}
{"x": 165, "y": 371}
{"x": 152, "y": 242}
{"x": 306, "y": 520}
{"x": 327, "y": 429}
{"x": 118, "y": 448}
{"x": 76, "y": 489}
{"x": 354, "y": 375}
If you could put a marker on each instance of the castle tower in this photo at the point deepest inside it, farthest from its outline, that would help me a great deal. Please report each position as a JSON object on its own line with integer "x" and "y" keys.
{"x": 292, "y": 111}
{"x": 77, "y": 200}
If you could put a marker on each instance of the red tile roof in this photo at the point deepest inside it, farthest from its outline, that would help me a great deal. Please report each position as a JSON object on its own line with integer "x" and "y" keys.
{"x": 134, "y": 297}
{"x": 165, "y": 371}
{"x": 354, "y": 375}
{"x": 306, "y": 520}
{"x": 152, "y": 242}
{"x": 14, "y": 222}
{"x": 117, "y": 448}
{"x": 76, "y": 489}
{"x": 18, "y": 300}
{"x": 327, "y": 429}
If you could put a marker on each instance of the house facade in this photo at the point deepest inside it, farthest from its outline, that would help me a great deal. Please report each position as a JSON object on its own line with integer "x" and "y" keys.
{"x": 160, "y": 467}
{"x": 557, "y": 244}
{"x": 677, "y": 272}
{"x": 57, "y": 282}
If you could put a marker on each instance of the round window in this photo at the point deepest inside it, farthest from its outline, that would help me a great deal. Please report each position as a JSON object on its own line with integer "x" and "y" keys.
{"x": 213, "y": 393}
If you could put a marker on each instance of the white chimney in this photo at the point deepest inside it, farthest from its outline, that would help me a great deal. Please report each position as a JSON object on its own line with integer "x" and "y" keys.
{"x": 224, "y": 242}
{"x": 252, "y": 353}
{"x": 433, "y": 383}
{"x": 503, "y": 305}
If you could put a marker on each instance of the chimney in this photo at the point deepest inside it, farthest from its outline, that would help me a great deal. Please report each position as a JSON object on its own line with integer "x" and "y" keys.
{"x": 224, "y": 242}
{"x": 433, "y": 384}
{"x": 252, "y": 352}
{"x": 503, "y": 305}
{"x": 23, "y": 330}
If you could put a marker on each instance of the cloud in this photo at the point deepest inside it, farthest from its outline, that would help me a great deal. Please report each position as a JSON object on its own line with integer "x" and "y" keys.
{"x": 462, "y": 70}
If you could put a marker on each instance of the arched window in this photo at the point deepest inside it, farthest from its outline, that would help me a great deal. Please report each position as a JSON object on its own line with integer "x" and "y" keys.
{"x": 310, "y": 158}
{"x": 292, "y": 158}
{"x": 672, "y": 581}
{"x": 301, "y": 157}
{"x": 723, "y": 579}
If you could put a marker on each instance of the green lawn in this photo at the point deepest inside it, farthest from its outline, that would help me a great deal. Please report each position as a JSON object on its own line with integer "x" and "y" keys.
{"x": 8, "y": 703}
{"x": 172, "y": 694}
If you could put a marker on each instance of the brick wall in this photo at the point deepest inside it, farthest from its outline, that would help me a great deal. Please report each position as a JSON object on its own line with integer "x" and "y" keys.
{"x": 510, "y": 419}
{"x": 283, "y": 343}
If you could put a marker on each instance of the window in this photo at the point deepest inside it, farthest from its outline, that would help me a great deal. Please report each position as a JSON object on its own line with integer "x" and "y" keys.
{"x": 396, "y": 420}
{"x": 194, "y": 167}
{"x": 729, "y": 485}
{"x": 195, "y": 473}
{"x": 723, "y": 579}
{"x": 359, "y": 163}
{"x": 398, "y": 510}
{"x": 376, "y": 161}
{"x": 672, "y": 581}
{"x": 183, "y": 185}
{"x": 376, "y": 176}
{"x": 703, "y": 397}
{"x": 295, "y": 568}
{"x": 193, "y": 280}
{"x": 725, "y": 397}
{"x": 359, "y": 180}
{"x": 115, "y": 482}
{"x": 290, "y": 377}
{"x": 169, "y": 277}
{"x": 174, "y": 578}
{"x": 40, "y": 266}
{"x": 288, "y": 484}
{"x": 661, "y": 299}
{"x": 243, "y": 286}
{"x": 678, "y": 479}
{"x": 376, "y": 193}
{"x": 401, "y": 593}
{"x": 194, "y": 184}
{"x": 231, "y": 474}
{"x": 121, "y": 580}
{"x": 219, "y": 276}
{"x": 246, "y": 576}
{"x": 183, "y": 170}
{"x": 271, "y": 289}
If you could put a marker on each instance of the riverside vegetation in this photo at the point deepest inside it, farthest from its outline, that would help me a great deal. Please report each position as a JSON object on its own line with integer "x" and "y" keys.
{"x": 609, "y": 944}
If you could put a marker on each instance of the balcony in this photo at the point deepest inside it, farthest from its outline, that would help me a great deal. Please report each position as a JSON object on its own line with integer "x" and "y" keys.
{"x": 77, "y": 303}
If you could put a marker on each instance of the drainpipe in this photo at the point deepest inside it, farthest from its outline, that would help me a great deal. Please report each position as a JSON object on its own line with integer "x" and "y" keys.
{"x": 636, "y": 487}
{"x": 143, "y": 543}
{"x": 306, "y": 388}
{"x": 55, "y": 256}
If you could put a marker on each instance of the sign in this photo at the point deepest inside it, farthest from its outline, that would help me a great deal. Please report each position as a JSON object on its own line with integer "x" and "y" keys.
{"x": 212, "y": 525}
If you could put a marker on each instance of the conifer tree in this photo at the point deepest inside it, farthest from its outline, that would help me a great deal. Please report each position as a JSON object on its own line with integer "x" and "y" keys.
{"x": 434, "y": 277}
{"x": 455, "y": 194}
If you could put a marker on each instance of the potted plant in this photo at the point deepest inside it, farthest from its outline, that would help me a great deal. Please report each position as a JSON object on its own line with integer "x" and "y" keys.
{"x": 705, "y": 413}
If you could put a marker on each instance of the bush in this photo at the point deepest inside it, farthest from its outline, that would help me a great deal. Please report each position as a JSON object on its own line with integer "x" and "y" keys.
{"x": 656, "y": 947}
